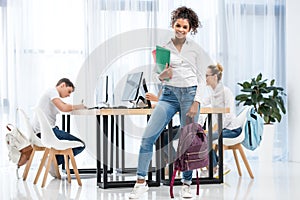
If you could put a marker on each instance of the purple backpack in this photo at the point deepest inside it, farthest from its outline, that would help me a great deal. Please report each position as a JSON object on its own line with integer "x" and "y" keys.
{"x": 192, "y": 151}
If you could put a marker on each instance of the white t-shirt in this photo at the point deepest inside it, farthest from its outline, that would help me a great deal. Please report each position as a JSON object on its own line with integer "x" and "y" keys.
{"x": 47, "y": 106}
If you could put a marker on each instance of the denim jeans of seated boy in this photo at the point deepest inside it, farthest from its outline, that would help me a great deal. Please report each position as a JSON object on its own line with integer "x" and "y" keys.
{"x": 63, "y": 135}
{"x": 226, "y": 133}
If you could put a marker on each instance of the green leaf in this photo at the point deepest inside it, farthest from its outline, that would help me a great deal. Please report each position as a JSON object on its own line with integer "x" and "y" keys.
{"x": 242, "y": 97}
{"x": 259, "y": 76}
{"x": 277, "y": 116}
{"x": 246, "y": 85}
{"x": 281, "y": 104}
{"x": 247, "y": 90}
{"x": 264, "y": 90}
{"x": 266, "y": 119}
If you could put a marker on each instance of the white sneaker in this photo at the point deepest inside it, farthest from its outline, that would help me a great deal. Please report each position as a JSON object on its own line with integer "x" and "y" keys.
{"x": 138, "y": 190}
{"x": 52, "y": 168}
{"x": 186, "y": 192}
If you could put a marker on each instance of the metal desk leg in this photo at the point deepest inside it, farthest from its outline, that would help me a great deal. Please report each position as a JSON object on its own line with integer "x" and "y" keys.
{"x": 63, "y": 128}
{"x": 122, "y": 143}
{"x": 122, "y": 168}
{"x": 66, "y": 127}
{"x": 117, "y": 143}
{"x": 220, "y": 147}
{"x": 98, "y": 136}
{"x": 210, "y": 165}
{"x": 150, "y": 165}
{"x": 63, "y": 122}
{"x": 105, "y": 150}
{"x": 104, "y": 183}
{"x": 112, "y": 117}
{"x": 68, "y": 123}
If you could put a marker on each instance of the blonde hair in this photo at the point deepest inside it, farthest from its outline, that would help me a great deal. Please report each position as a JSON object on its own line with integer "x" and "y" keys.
{"x": 217, "y": 69}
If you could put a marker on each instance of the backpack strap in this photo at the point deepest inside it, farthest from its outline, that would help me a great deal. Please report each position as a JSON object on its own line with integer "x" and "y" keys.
{"x": 172, "y": 183}
{"x": 197, "y": 191}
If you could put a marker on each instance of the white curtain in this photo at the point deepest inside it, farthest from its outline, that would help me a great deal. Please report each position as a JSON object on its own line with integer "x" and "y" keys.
{"x": 43, "y": 41}
{"x": 253, "y": 41}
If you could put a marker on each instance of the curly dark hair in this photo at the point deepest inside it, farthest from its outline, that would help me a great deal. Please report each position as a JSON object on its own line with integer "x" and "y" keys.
{"x": 186, "y": 13}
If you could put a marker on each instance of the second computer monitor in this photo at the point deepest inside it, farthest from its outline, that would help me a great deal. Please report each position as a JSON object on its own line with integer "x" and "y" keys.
{"x": 132, "y": 86}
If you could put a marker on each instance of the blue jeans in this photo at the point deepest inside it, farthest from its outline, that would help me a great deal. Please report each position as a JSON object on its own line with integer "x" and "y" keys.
{"x": 171, "y": 101}
{"x": 62, "y": 135}
{"x": 226, "y": 133}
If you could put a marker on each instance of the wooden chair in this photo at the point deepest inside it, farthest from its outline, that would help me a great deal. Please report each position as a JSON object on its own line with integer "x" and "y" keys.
{"x": 34, "y": 140}
{"x": 235, "y": 144}
{"x": 54, "y": 146}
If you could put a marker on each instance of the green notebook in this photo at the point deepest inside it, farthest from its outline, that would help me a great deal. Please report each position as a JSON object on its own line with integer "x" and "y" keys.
{"x": 162, "y": 57}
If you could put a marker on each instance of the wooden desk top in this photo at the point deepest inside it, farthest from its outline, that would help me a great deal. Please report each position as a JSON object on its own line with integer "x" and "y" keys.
{"x": 143, "y": 111}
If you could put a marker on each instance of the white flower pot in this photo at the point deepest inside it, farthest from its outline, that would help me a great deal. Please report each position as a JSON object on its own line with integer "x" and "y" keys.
{"x": 266, "y": 144}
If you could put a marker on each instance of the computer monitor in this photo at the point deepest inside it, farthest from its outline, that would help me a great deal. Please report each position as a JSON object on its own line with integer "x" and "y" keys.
{"x": 102, "y": 91}
{"x": 132, "y": 86}
{"x": 146, "y": 90}
{"x": 106, "y": 89}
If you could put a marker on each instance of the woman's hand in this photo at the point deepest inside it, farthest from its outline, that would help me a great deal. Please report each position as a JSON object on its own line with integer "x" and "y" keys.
{"x": 151, "y": 97}
{"x": 167, "y": 73}
{"x": 193, "y": 110}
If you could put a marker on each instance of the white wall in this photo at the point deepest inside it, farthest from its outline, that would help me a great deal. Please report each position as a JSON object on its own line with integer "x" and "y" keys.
{"x": 293, "y": 75}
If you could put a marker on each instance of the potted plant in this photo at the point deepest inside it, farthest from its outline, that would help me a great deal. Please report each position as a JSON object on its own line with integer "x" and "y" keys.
{"x": 266, "y": 98}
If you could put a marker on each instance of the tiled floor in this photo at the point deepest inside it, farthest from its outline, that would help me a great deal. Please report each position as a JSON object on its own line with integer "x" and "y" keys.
{"x": 272, "y": 181}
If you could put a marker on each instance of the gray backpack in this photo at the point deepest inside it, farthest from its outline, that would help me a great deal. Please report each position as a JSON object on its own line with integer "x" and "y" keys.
{"x": 19, "y": 147}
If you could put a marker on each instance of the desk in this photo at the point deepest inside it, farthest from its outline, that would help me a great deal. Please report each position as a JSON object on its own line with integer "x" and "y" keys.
{"x": 118, "y": 115}
{"x": 116, "y": 125}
